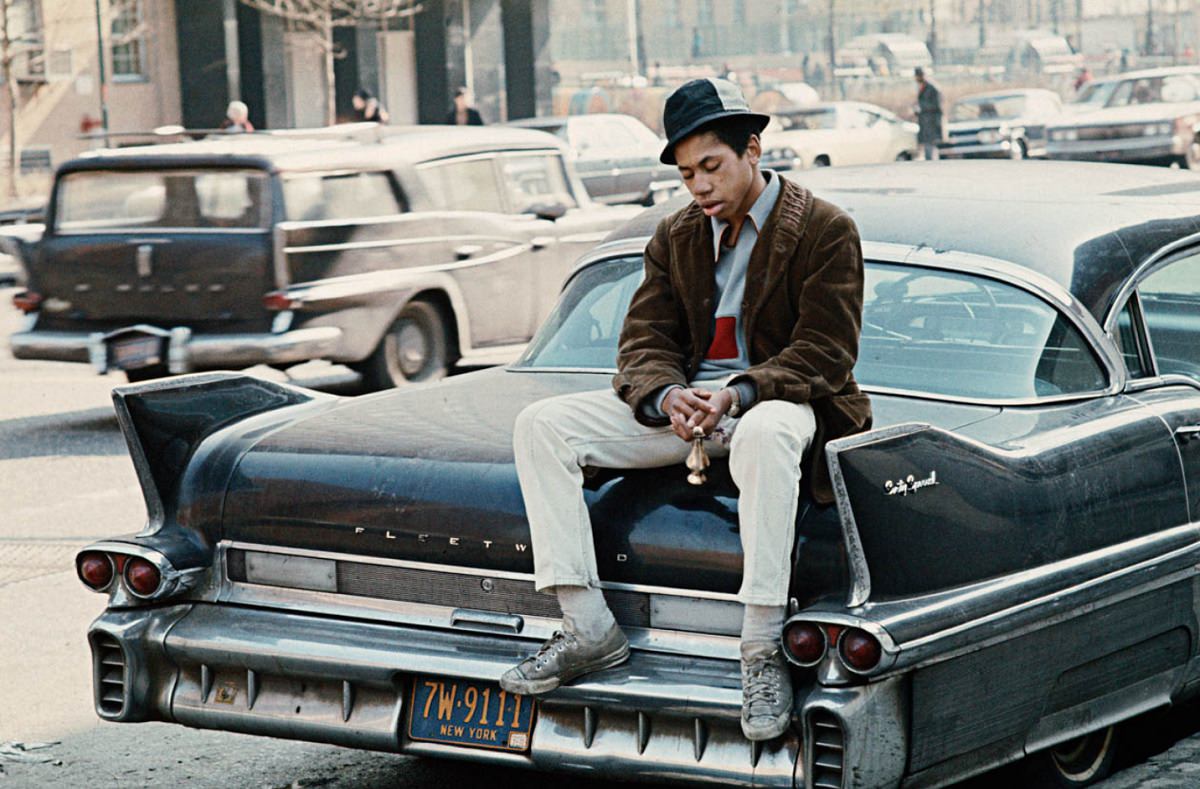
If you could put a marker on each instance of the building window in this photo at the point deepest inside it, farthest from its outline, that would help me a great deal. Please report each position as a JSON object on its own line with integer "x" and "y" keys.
{"x": 128, "y": 40}
{"x": 739, "y": 12}
{"x": 598, "y": 12}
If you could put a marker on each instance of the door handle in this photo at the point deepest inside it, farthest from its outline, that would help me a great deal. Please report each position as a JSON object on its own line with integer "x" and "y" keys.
{"x": 474, "y": 619}
{"x": 466, "y": 251}
{"x": 1187, "y": 433}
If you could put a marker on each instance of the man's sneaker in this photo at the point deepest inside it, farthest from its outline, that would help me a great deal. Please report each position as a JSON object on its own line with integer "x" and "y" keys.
{"x": 563, "y": 658}
{"x": 766, "y": 691}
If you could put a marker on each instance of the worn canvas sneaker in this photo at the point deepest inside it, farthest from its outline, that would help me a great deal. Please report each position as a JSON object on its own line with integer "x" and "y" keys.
{"x": 766, "y": 691}
{"x": 563, "y": 658}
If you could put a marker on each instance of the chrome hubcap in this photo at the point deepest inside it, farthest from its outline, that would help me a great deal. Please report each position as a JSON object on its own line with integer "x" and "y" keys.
{"x": 412, "y": 349}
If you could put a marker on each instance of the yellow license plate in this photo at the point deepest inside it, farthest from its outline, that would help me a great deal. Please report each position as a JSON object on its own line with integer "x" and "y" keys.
{"x": 473, "y": 714}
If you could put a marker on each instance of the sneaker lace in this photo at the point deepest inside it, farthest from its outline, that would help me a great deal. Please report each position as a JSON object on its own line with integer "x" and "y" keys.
{"x": 762, "y": 681}
{"x": 557, "y": 642}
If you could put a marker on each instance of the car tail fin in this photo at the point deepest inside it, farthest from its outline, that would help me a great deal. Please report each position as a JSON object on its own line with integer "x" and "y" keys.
{"x": 164, "y": 421}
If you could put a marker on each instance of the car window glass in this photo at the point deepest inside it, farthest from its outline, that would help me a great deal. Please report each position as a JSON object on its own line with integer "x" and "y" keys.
{"x": 317, "y": 196}
{"x": 956, "y": 334}
{"x": 924, "y": 330}
{"x": 1095, "y": 94}
{"x": 1179, "y": 87}
{"x": 988, "y": 108}
{"x": 639, "y": 131}
{"x": 535, "y": 180}
{"x": 815, "y": 119}
{"x": 1171, "y": 310}
{"x": 583, "y": 329}
{"x": 1121, "y": 95}
{"x": 462, "y": 185}
{"x": 1127, "y": 342}
{"x": 189, "y": 199}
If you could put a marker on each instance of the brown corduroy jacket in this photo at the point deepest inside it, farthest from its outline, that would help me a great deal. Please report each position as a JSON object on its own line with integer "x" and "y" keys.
{"x": 801, "y": 313}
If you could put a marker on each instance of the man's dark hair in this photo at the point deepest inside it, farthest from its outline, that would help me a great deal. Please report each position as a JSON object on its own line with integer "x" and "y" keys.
{"x": 734, "y": 130}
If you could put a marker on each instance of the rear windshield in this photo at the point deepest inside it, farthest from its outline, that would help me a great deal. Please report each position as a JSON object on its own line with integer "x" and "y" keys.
{"x": 988, "y": 108}
{"x": 112, "y": 200}
{"x": 924, "y": 330}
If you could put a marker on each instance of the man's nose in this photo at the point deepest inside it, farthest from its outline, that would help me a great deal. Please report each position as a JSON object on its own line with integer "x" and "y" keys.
{"x": 701, "y": 186}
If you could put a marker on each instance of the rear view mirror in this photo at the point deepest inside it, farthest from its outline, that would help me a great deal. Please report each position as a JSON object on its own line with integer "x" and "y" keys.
{"x": 550, "y": 211}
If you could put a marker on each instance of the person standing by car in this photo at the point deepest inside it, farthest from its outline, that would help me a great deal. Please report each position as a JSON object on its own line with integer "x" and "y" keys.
{"x": 746, "y": 326}
{"x": 237, "y": 118}
{"x": 463, "y": 113}
{"x": 928, "y": 110}
{"x": 367, "y": 108}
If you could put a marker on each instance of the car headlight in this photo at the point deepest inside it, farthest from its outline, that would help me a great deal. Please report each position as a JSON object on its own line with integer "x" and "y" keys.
{"x": 1064, "y": 134}
{"x": 781, "y": 153}
{"x": 1156, "y": 129}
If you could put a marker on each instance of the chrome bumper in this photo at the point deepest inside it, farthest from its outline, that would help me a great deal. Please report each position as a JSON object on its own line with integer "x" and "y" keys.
{"x": 1130, "y": 149}
{"x": 658, "y": 717}
{"x": 185, "y": 351}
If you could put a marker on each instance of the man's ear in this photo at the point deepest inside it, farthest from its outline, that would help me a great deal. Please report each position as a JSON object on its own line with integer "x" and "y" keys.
{"x": 754, "y": 149}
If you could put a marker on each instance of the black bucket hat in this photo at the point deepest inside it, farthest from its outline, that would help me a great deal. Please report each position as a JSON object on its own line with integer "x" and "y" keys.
{"x": 698, "y": 102}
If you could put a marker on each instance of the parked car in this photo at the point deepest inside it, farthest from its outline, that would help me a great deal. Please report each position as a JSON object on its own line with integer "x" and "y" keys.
{"x": 20, "y": 227}
{"x": 1011, "y": 565}
{"x": 616, "y": 156}
{"x": 1008, "y": 124}
{"x": 402, "y": 257}
{"x": 1147, "y": 117}
{"x": 837, "y": 133}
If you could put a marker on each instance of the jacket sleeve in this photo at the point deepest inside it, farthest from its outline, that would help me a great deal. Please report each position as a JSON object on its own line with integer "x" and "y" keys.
{"x": 823, "y": 347}
{"x": 653, "y": 347}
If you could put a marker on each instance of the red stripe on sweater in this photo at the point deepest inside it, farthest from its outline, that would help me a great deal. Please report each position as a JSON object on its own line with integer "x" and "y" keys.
{"x": 724, "y": 342}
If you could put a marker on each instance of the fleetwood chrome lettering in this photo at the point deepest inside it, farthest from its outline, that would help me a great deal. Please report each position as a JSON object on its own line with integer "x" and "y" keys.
{"x": 457, "y": 542}
{"x": 910, "y": 484}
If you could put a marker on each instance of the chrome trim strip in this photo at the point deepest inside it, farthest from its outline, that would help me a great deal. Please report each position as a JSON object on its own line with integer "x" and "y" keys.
{"x": 306, "y": 224}
{"x": 392, "y": 242}
{"x": 1170, "y": 379}
{"x": 1143, "y": 270}
{"x": 460, "y": 570}
{"x": 860, "y": 573}
{"x": 210, "y": 231}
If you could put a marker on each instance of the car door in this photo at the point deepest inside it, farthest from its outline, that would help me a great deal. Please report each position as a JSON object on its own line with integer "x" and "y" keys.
{"x": 476, "y": 241}
{"x": 864, "y": 138}
{"x": 539, "y": 187}
{"x": 1161, "y": 322}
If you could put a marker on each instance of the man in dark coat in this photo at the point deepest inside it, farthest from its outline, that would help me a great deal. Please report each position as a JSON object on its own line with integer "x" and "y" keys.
{"x": 929, "y": 114}
{"x": 745, "y": 326}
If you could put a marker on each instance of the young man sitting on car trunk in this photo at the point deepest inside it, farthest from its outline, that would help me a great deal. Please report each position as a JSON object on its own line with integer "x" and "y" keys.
{"x": 746, "y": 324}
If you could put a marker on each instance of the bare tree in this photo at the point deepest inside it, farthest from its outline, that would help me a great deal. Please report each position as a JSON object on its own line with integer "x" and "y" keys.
{"x": 320, "y": 17}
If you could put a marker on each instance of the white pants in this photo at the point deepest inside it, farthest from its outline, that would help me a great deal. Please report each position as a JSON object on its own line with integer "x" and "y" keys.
{"x": 555, "y": 438}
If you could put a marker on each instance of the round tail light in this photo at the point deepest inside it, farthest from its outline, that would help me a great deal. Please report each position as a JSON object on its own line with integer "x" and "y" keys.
{"x": 859, "y": 650}
{"x": 141, "y": 576}
{"x": 805, "y": 642}
{"x": 95, "y": 570}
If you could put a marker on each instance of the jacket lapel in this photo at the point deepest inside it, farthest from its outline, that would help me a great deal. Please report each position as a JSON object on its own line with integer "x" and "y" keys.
{"x": 774, "y": 250}
{"x": 694, "y": 272}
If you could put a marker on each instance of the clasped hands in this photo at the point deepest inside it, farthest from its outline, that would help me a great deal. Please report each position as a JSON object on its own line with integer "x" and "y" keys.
{"x": 691, "y": 408}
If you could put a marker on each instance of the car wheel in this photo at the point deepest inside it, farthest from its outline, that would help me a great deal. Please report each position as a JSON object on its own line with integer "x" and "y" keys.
{"x": 821, "y": 161}
{"x": 1019, "y": 150}
{"x": 146, "y": 373}
{"x": 415, "y": 348}
{"x": 904, "y": 156}
{"x": 1082, "y": 761}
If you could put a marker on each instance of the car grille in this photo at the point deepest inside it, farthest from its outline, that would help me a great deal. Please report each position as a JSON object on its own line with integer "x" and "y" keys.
{"x": 828, "y": 750}
{"x": 110, "y": 674}
{"x": 457, "y": 590}
{"x": 1112, "y": 132}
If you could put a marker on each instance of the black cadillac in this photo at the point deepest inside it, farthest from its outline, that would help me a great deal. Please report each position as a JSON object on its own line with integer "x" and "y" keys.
{"x": 389, "y": 253}
{"x": 1011, "y": 568}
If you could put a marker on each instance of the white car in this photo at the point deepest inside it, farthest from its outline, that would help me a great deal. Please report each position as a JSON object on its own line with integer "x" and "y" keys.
{"x": 837, "y": 133}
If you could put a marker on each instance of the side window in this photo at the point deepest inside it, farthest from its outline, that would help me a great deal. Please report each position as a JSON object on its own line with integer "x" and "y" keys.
{"x": 1127, "y": 341}
{"x": 322, "y": 196}
{"x": 463, "y": 185}
{"x": 1171, "y": 305}
{"x": 1120, "y": 96}
{"x": 535, "y": 180}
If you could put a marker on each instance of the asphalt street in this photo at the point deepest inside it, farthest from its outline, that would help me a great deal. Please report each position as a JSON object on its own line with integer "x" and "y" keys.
{"x": 65, "y": 480}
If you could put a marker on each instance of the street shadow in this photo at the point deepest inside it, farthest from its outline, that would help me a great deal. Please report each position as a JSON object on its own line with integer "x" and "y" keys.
{"x": 90, "y": 432}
